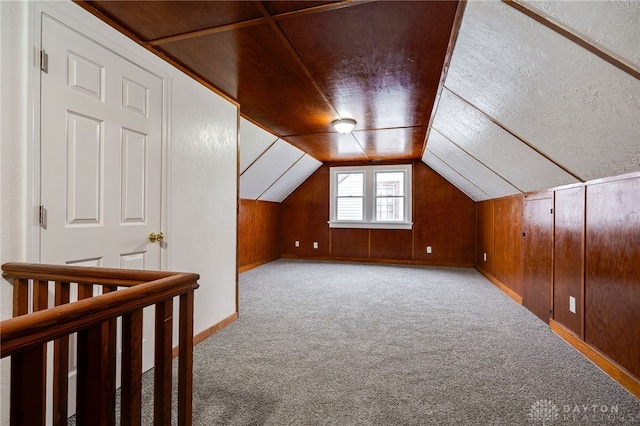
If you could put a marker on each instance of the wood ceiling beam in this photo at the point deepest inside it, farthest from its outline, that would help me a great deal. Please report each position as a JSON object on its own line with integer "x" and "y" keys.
{"x": 296, "y": 57}
{"x": 455, "y": 30}
{"x": 574, "y": 38}
{"x": 207, "y": 31}
{"x": 319, "y": 9}
{"x": 115, "y": 25}
{"x": 256, "y": 21}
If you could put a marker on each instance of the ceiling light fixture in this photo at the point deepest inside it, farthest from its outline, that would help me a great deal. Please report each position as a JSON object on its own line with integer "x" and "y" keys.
{"x": 344, "y": 125}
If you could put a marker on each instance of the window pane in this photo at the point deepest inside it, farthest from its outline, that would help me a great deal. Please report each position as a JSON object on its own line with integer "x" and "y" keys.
{"x": 350, "y": 208}
{"x": 390, "y": 208}
{"x": 389, "y": 183}
{"x": 350, "y": 184}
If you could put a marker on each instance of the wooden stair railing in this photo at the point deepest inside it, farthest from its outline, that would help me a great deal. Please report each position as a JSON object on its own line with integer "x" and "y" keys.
{"x": 125, "y": 293}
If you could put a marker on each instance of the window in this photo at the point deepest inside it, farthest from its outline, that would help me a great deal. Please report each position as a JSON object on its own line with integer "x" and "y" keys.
{"x": 371, "y": 197}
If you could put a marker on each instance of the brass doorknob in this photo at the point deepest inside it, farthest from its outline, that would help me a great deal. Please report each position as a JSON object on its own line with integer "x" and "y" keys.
{"x": 153, "y": 237}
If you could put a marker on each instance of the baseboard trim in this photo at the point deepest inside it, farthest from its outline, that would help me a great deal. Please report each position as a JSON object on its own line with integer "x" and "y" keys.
{"x": 208, "y": 332}
{"x": 380, "y": 261}
{"x": 253, "y": 265}
{"x": 611, "y": 368}
{"x": 512, "y": 294}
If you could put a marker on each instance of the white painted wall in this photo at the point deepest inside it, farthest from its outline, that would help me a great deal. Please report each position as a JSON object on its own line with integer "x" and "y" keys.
{"x": 13, "y": 154}
{"x": 203, "y": 157}
{"x": 203, "y": 173}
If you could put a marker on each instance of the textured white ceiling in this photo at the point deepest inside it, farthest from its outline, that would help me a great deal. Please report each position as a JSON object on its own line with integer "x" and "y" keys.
{"x": 515, "y": 161}
{"x": 455, "y": 178}
{"x": 267, "y": 169}
{"x": 469, "y": 167}
{"x": 292, "y": 178}
{"x": 270, "y": 168}
{"x": 254, "y": 141}
{"x": 573, "y": 107}
{"x": 612, "y": 26}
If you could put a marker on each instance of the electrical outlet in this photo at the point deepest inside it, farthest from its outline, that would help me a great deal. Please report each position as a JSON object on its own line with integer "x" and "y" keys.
{"x": 297, "y": 243}
{"x": 429, "y": 249}
{"x": 484, "y": 257}
{"x": 572, "y": 304}
{"x": 315, "y": 244}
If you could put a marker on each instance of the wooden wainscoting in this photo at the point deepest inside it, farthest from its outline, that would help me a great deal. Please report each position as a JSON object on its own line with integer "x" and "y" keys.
{"x": 612, "y": 275}
{"x": 443, "y": 218}
{"x": 595, "y": 250}
{"x": 259, "y": 230}
{"x": 568, "y": 265}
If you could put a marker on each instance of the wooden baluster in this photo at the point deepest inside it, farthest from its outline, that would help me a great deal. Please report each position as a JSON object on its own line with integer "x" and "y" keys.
{"x": 61, "y": 364}
{"x": 185, "y": 360}
{"x": 96, "y": 376}
{"x": 131, "y": 389}
{"x": 162, "y": 366}
{"x": 109, "y": 334}
{"x": 20, "y": 297}
{"x": 28, "y": 368}
{"x": 28, "y": 387}
{"x": 85, "y": 291}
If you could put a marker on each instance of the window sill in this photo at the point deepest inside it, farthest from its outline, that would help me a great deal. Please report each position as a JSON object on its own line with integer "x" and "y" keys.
{"x": 371, "y": 225}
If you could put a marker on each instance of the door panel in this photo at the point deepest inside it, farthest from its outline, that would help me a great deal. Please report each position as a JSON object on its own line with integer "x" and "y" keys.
{"x": 101, "y": 157}
{"x": 538, "y": 255}
{"x": 101, "y": 153}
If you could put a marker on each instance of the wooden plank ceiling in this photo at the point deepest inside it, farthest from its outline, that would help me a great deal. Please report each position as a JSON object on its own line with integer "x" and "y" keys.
{"x": 295, "y": 66}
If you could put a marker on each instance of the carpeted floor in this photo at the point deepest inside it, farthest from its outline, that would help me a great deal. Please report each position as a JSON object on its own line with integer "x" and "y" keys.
{"x": 353, "y": 344}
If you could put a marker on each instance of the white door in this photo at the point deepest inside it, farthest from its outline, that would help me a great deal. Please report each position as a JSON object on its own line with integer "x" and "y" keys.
{"x": 101, "y": 156}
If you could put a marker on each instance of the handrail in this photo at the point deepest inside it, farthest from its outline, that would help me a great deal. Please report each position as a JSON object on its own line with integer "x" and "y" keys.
{"x": 100, "y": 276}
{"x": 26, "y": 331}
{"x": 125, "y": 294}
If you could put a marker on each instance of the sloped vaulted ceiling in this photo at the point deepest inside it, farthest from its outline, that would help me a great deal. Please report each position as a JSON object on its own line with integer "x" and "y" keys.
{"x": 537, "y": 93}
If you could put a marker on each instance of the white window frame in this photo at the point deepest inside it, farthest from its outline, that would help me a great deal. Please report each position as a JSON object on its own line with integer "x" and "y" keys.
{"x": 369, "y": 221}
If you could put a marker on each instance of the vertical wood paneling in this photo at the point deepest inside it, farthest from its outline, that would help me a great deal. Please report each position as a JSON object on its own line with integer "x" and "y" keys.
{"x": 392, "y": 244}
{"x": 352, "y": 243}
{"x": 246, "y": 232}
{"x": 507, "y": 253}
{"x": 259, "y": 232}
{"x": 589, "y": 248}
{"x": 538, "y": 254}
{"x": 267, "y": 231}
{"x": 568, "y": 260}
{"x": 305, "y": 214}
{"x": 443, "y": 218}
{"x": 485, "y": 224}
{"x": 612, "y": 276}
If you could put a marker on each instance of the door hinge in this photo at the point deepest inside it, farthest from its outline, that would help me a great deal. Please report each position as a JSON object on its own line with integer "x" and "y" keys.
{"x": 42, "y": 217}
{"x": 44, "y": 61}
{"x": 551, "y": 212}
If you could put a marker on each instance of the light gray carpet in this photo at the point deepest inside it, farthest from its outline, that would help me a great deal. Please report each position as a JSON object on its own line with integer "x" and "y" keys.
{"x": 352, "y": 344}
